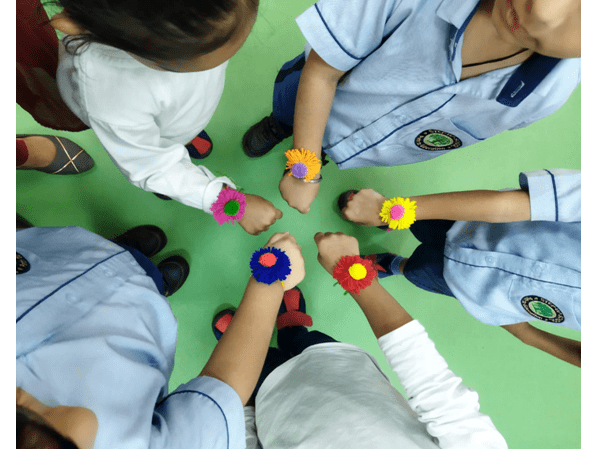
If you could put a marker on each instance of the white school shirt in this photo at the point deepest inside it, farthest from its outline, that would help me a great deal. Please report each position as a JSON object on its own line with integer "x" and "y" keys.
{"x": 144, "y": 117}
{"x": 93, "y": 331}
{"x": 506, "y": 273}
{"x": 334, "y": 395}
{"x": 402, "y": 101}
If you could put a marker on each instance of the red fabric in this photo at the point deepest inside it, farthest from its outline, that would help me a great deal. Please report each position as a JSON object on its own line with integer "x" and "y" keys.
{"x": 22, "y": 153}
{"x": 373, "y": 259}
{"x": 201, "y": 145}
{"x": 37, "y": 62}
{"x": 223, "y": 322}
{"x": 292, "y": 316}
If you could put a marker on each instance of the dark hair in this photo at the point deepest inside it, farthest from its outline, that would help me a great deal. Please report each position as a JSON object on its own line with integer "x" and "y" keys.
{"x": 35, "y": 435}
{"x": 158, "y": 30}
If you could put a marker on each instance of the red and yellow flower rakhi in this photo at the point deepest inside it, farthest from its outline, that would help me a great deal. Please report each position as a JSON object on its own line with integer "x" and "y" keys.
{"x": 354, "y": 273}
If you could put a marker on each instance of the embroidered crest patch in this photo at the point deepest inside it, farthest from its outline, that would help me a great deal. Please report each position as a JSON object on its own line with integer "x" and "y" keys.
{"x": 542, "y": 309}
{"x": 434, "y": 139}
{"x": 22, "y": 264}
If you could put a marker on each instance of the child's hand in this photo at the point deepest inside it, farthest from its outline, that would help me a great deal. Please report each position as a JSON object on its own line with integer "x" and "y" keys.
{"x": 287, "y": 243}
{"x": 364, "y": 208}
{"x": 333, "y": 246}
{"x": 298, "y": 194}
{"x": 260, "y": 214}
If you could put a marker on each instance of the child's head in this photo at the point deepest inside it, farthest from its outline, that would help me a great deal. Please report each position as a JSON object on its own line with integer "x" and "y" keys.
{"x": 177, "y": 35}
{"x": 548, "y": 27}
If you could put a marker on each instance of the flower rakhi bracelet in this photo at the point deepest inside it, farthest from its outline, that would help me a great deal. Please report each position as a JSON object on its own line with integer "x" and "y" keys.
{"x": 230, "y": 206}
{"x": 302, "y": 164}
{"x": 398, "y": 213}
{"x": 354, "y": 273}
{"x": 269, "y": 265}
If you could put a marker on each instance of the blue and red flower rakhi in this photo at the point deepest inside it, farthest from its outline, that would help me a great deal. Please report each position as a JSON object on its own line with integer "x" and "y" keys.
{"x": 269, "y": 265}
{"x": 354, "y": 273}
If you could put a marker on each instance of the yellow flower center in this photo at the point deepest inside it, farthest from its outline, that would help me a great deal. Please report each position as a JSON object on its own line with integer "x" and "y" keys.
{"x": 357, "y": 271}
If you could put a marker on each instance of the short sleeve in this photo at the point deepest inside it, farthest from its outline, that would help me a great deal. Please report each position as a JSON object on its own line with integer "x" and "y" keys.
{"x": 203, "y": 413}
{"x": 344, "y": 32}
{"x": 555, "y": 194}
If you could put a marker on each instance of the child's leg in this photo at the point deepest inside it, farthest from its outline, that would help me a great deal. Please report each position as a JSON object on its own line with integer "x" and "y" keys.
{"x": 285, "y": 88}
{"x": 294, "y": 340}
{"x": 274, "y": 359}
{"x": 425, "y": 269}
{"x": 431, "y": 232}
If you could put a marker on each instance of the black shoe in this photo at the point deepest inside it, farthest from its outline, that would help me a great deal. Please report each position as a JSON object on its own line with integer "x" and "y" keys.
{"x": 175, "y": 270}
{"x": 162, "y": 197}
{"x": 22, "y": 223}
{"x": 263, "y": 136}
{"x": 148, "y": 239}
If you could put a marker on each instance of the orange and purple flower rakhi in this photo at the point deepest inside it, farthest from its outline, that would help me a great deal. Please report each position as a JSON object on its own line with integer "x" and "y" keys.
{"x": 269, "y": 265}
{"x": 230, "y": 206}
{"x": 354, "y": 273}
{"x": 303, "y": 164}
{"x": 398, "y": 213}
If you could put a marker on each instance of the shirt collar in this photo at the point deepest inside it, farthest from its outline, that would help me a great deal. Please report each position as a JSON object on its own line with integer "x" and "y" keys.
{"x": 525, "y": 79}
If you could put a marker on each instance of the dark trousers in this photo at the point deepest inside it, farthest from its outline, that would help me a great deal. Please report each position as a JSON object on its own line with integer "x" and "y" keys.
{"x": 291, "y": 341}
{"x": 425, "y": 268}
{"x": 285, "y": 88}
{"x": 149, "y": 267}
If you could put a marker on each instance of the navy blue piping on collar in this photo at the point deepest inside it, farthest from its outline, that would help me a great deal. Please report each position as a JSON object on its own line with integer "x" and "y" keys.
{"x": 456, "y": 37}
{"x": 208, "y": 397}
{"x": 526, "y": 78}
{"x": 66, "y": 283}
{"x": 555, "y": 193}
{"x": 334, "y": 37}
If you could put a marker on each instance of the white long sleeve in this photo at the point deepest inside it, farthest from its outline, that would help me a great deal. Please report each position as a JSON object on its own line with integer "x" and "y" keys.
{"x": 156, "y": 164}
{"x": 449, "y": 409}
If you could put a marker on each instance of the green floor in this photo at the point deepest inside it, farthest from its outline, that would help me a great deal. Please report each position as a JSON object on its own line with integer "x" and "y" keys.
{"x": 533, "y": 398}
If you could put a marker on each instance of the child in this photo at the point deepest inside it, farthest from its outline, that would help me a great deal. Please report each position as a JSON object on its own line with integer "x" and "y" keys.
{"x": 87, "y": 303}
{"x": 387, "y": 82}
{"x": 317, "y": 392}
{"x": 146, "y": 76}
{"x": 509, "y": 257}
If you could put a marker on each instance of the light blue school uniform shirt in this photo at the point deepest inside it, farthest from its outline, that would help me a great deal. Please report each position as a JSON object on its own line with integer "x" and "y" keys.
{"x": 93, "y": 331}
{"x": 505, "y": 273}
{"x": 402, "y": 101}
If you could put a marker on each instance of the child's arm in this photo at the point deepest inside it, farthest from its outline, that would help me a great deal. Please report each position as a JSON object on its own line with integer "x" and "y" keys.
{"x": 563, "y": 348}
{"x": 238, "y": 357}
{"x": 449, "y": 409}
{"x": 476, "y": 205}
{"x": 315, "y": 95}
{"x": 156, "y": 164}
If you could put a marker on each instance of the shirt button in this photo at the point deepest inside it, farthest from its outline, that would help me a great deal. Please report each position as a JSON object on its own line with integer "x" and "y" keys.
{"x": 70, "y": 298}
{"x": 359, "y": 142}
{"x": 108, "y": 272}
{"x": 489, "y": 259}
{"x": 402, "y": 118}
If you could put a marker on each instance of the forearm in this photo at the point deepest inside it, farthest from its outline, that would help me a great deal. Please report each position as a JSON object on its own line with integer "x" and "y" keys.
{"x": 477, "y": 205}
{"x": 315, "y": 95}
{"x": 239, "y": 355}
{"x": 382, "y": 311}
{"x": 563, "y": 348}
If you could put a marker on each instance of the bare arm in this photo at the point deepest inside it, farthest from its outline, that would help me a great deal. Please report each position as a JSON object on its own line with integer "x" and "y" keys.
{"x": 476, "y": 205}
{"x": 314, "y": 98}
{"x": 238, "y": 357}
{"x": 563, "y": 348}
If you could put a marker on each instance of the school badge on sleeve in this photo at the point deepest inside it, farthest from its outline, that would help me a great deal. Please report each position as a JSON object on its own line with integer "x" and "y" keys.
{"x": 22, "y": 264}
{"x": 542, "y": 309}
{"x": 434, "y": 140}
